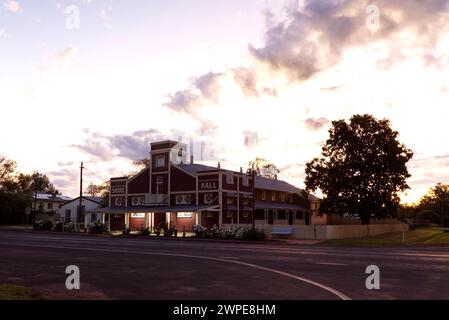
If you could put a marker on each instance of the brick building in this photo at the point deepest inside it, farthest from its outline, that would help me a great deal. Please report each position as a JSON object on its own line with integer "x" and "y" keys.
{"x": 179, "y": 193}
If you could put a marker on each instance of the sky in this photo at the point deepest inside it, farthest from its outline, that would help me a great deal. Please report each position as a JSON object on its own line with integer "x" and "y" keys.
{"x": 98, "y": 80}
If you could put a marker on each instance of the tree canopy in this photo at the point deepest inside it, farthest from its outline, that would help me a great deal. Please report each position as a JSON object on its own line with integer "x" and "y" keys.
{"x": 263, "y": 168}
{"x": 362, "y": 168}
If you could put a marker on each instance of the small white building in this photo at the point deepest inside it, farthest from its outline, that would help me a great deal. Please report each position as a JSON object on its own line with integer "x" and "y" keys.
{"x": 69, "y": 211}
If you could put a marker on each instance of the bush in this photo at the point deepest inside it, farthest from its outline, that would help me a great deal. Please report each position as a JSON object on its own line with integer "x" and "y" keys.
{"x": 47, "y": 225}
{"x": 253, "y": 234}
{"x": 199, "y": 230}
{"x": 145, "y": 232}
{"x": 58, "y": 227}
{"x": 96, "y": 228}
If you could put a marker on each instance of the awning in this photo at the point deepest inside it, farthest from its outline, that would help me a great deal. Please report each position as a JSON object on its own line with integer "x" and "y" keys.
{"x": 157, "y": 209}
{"x": 277, "y": 205}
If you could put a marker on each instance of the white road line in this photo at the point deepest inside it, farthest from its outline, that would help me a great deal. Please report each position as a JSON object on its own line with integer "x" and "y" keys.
{"x": 255, "y": 266}
{"x": 331, "y": 264}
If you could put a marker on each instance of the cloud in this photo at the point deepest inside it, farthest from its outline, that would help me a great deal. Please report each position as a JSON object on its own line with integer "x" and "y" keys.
{"x": 209, "y": 85}
{"x": 315, "y": 34}
{"x": 106, "y": 148}
{"x": 67, "y": 54}
{"x": 202, "y": 89}
{"x": 316, "y": 124}
{"x": 246, "y": 79}
{"x": 12, "y": 6}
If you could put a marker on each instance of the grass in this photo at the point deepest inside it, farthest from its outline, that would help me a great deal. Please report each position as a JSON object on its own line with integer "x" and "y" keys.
{"x": 13, "y": 292}
{"x": 422, "y": 236}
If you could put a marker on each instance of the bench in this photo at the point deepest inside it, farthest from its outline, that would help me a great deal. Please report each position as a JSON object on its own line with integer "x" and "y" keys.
{"x": 282, "y": 230}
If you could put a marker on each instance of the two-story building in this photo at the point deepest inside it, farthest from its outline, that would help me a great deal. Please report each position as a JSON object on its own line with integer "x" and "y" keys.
{"x": 173, "y": 192}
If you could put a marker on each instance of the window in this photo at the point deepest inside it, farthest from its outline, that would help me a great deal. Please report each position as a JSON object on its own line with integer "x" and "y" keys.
{"x": 245, "y": 214}
{"x": 282, "y": 196}
{"x": 68, "y": 214}
{"x": 229, "y": 214}
{"x": 229, "y": 177}
{"x": 273, "y": 196}
{"x": 160, "y": 161}
{"x": 93, "y": 217}
{"x": 230, "y": 201}
{"x": 264, "y": 195}
{"x": 299, "y": 215}
{"x": 160, "y": 185}
{"x": 50, "y": 206}
{"x": 245, "y": 180}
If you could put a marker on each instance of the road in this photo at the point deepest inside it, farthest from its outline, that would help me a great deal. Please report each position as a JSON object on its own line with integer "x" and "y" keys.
{"x": 143, "y": 268}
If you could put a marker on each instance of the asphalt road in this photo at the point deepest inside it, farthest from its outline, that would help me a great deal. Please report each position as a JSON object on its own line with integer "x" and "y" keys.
{"x": 142, "y": 268}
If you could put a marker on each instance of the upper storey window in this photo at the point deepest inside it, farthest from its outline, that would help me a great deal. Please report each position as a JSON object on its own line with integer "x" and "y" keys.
{"x": 229, "y": 177}
{"x": 160, "y": 161}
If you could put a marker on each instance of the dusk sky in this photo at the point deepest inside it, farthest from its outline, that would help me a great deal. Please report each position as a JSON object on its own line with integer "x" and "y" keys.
{"x": 97, "y": 81}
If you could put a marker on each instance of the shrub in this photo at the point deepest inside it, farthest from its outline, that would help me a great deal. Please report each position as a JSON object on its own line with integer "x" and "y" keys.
{"x": 58, "y": 227}
{"x": 47, "y": 225}
{"x": 199, "y": 230}
{"x": 145, "y": 232}
{"x": 96, "y": 228}
{"x": 253, "y": 234}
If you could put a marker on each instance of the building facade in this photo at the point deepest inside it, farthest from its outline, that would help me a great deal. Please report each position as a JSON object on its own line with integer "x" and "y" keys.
{"x": 172, "y": 192}
{"x": 70, "y": 210}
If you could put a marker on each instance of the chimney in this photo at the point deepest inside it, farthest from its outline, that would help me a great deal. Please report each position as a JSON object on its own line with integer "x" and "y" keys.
{"x": 219, "y": 165}
{"x": 241, "y": 170}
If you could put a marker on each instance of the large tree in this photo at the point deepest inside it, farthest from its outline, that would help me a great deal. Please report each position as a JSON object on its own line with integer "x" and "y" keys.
{"x": 435, "y": 204}
{"x": 263, "y": 168}
{"x": 362, "y": 168}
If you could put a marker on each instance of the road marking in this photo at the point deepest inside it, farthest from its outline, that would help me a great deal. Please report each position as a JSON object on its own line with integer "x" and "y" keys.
{"x": 331, "y": 263}
{"x": 230, "y": 258}
{"x": 339, "y": 294}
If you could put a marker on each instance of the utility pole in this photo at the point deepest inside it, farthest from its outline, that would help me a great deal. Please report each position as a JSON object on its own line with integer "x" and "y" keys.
{"x": 81, "y": 190}
{"x": 253, "y": 196}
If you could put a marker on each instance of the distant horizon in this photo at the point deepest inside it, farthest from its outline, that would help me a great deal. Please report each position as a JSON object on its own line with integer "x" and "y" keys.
{"x": 98, "y": 80}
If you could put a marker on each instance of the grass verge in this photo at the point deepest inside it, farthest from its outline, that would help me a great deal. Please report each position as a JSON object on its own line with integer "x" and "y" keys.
{"x": 13, "y": 292}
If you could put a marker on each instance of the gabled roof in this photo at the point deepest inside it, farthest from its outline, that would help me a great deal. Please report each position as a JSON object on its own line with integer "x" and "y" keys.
{"x": 51, "y": 197}
{"x": 97, "y": 200}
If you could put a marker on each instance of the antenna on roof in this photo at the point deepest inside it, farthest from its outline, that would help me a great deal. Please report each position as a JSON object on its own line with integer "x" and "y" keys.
{"x": 191, "y": 150}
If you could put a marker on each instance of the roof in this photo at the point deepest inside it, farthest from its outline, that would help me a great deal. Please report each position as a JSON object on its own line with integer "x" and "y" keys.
{"x": 195, "y": 168}
{"x": 93, "y": 199}
{"x": 51, "y": 197}
{"x": 260, "y": 182}
{"x": 158, "y": 209}
{"x": 276, "y": 185}
{"x": 277, "y": 205}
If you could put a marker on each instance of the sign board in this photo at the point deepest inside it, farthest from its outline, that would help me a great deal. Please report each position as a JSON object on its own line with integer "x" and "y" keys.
{"x": 137, "y": 215}
{"x": 185, "y": 215}
{"x": 209, "y": 185}
{"x": 118, "y": 190}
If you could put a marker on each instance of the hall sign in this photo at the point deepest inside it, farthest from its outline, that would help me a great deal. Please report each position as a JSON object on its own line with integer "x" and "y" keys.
{"x": 209, "y": 185}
